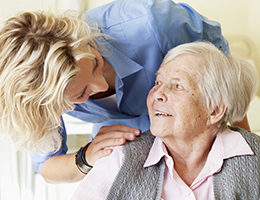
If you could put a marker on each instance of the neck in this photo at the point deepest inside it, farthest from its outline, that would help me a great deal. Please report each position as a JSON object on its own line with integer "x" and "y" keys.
{"x": 190, "y": 156}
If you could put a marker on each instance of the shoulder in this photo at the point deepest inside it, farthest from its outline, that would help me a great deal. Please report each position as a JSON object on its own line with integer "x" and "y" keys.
{"x": 117, "y": 12}
{"x": 146, "y": 138}
{"x": 240, "y": 174}
{"x": 245, "y": 162}
{"x": 101, "y": 177}
{"x": 121, "y": 11}
{"x": 140, "y": 146}
{"x": 251, "y": 138}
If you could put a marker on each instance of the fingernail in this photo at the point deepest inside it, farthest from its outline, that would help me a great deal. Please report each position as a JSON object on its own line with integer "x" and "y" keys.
{"x": 130, "y": 136}
{"x": 137, "y": 131}
{"x": 121, "y": 140}
{"x": 108, "y": 151}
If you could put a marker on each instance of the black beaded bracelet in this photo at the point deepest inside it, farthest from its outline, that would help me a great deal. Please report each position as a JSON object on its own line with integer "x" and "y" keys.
{"x": 80, "y": 161}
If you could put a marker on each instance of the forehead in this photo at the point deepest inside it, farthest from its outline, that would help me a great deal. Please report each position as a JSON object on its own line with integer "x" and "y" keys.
{"x": 183, "y": 66}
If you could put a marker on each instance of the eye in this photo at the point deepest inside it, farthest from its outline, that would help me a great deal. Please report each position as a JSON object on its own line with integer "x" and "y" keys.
{"x": 82, "y": 95}
{"x": 177, "y": 86}
{"x": 157, "y": 82}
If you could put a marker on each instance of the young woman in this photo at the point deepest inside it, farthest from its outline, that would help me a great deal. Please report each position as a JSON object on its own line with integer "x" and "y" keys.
{"x": 99, "y": 70}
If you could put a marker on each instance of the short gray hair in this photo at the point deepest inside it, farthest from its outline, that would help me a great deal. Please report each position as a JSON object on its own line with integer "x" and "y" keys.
{"x": 230, "y": 80}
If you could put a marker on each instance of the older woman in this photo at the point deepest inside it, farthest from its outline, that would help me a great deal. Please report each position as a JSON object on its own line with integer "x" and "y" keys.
{"x": 194, "y": 154}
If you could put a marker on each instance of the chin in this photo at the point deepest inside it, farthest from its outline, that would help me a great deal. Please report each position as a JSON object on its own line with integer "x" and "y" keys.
{"x": 155, "y": 131}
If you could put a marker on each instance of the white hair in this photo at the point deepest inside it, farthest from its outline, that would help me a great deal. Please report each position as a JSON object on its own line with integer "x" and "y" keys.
{"x": 221, "y": 79}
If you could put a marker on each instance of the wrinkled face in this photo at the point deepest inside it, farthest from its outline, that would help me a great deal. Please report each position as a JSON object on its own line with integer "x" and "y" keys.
{"x": 89, "y": 80}
{"x": 175, "y": 103}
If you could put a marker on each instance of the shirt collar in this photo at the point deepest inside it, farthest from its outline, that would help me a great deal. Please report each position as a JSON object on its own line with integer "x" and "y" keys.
{"x": 233, "y": 144}
{"x": 226, "y": 145}
{"x": 122, "y": 64}
{"x": 157, "y": 151}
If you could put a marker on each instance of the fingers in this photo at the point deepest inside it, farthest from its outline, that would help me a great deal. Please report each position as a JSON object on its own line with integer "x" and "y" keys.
{"x": 118, "y": 131}
{"x": 109, "y": 136}
{"x": 97, "y": 150}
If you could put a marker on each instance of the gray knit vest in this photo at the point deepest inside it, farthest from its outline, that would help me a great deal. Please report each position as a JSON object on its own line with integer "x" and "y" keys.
{"x": 238, "y": 178}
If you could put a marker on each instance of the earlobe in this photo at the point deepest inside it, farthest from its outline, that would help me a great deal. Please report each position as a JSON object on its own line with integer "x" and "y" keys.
{"x": 217, "y": 114}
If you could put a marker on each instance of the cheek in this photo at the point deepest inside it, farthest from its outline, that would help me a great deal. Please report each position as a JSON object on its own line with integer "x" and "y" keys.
{"x": 184, "y": 107}
{"x": 149, "y": 100}
{"x": 197, "y": 112}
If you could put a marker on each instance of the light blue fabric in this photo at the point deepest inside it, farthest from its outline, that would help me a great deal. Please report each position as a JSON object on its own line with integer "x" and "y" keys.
{"x": 143, "y": 31}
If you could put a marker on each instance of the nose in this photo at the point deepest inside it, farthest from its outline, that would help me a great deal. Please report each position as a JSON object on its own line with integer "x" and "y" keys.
{"x": 160, "y": 94}
{"x": 101, "y": 85}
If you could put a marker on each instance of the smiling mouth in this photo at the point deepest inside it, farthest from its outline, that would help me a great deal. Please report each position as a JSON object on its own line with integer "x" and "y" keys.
{"x": 162, "y": 114}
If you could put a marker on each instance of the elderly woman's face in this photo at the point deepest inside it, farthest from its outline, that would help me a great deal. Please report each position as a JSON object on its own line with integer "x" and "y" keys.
{"x": 175, "y": 103}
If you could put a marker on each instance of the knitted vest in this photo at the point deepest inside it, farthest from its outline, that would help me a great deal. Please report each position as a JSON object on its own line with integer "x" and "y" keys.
{"x": 238, "y": 178}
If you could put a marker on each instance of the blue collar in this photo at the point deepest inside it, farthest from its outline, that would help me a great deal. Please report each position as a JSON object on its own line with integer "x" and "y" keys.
{"x": 122, "y": 64}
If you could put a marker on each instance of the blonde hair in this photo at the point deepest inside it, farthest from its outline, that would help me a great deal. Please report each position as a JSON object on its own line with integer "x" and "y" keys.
{"x": 221, "y": 79}
{"x": 38, "y": 54}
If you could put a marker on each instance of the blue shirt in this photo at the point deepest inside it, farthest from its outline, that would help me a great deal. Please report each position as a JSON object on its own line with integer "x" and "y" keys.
{"x": 143, "y": 31}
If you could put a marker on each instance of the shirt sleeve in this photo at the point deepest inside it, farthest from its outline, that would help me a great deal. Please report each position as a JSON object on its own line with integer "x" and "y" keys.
{"x": 98, "y": 181}
{"x": 38, "y": 159}
{"x": 174, "y": 24}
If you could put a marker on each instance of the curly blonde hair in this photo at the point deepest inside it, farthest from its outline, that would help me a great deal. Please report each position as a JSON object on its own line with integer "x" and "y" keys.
{"x": 38, "y": 54}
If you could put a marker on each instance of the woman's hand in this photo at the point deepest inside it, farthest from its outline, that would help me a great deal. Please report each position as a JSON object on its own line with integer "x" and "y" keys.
{"x": 109, "y": 136}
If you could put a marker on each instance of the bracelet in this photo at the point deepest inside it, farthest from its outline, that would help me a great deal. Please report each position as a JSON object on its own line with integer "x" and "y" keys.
{"x": 80, "y": 160}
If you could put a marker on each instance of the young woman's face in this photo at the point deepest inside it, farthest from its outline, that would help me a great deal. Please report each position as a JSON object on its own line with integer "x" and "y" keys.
{"x": 89, "y": 80}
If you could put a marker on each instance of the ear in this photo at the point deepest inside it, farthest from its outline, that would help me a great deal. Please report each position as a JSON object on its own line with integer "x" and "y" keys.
{"x": 217, "y": 114}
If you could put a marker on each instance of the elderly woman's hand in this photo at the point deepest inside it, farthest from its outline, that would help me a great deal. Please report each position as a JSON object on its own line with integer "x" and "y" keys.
{"x": 109, "y": 136}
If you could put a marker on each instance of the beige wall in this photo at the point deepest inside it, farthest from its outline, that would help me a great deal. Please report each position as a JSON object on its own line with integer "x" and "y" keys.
{"x": 11, "y": 7}
{"x": 253, "y": 30}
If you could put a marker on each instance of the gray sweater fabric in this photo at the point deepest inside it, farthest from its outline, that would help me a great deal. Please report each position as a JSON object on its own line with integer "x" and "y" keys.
{"x": 238, "y": 178}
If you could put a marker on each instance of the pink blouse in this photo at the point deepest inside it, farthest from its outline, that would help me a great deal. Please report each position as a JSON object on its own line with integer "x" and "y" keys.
{"x": 227, "y": 144}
